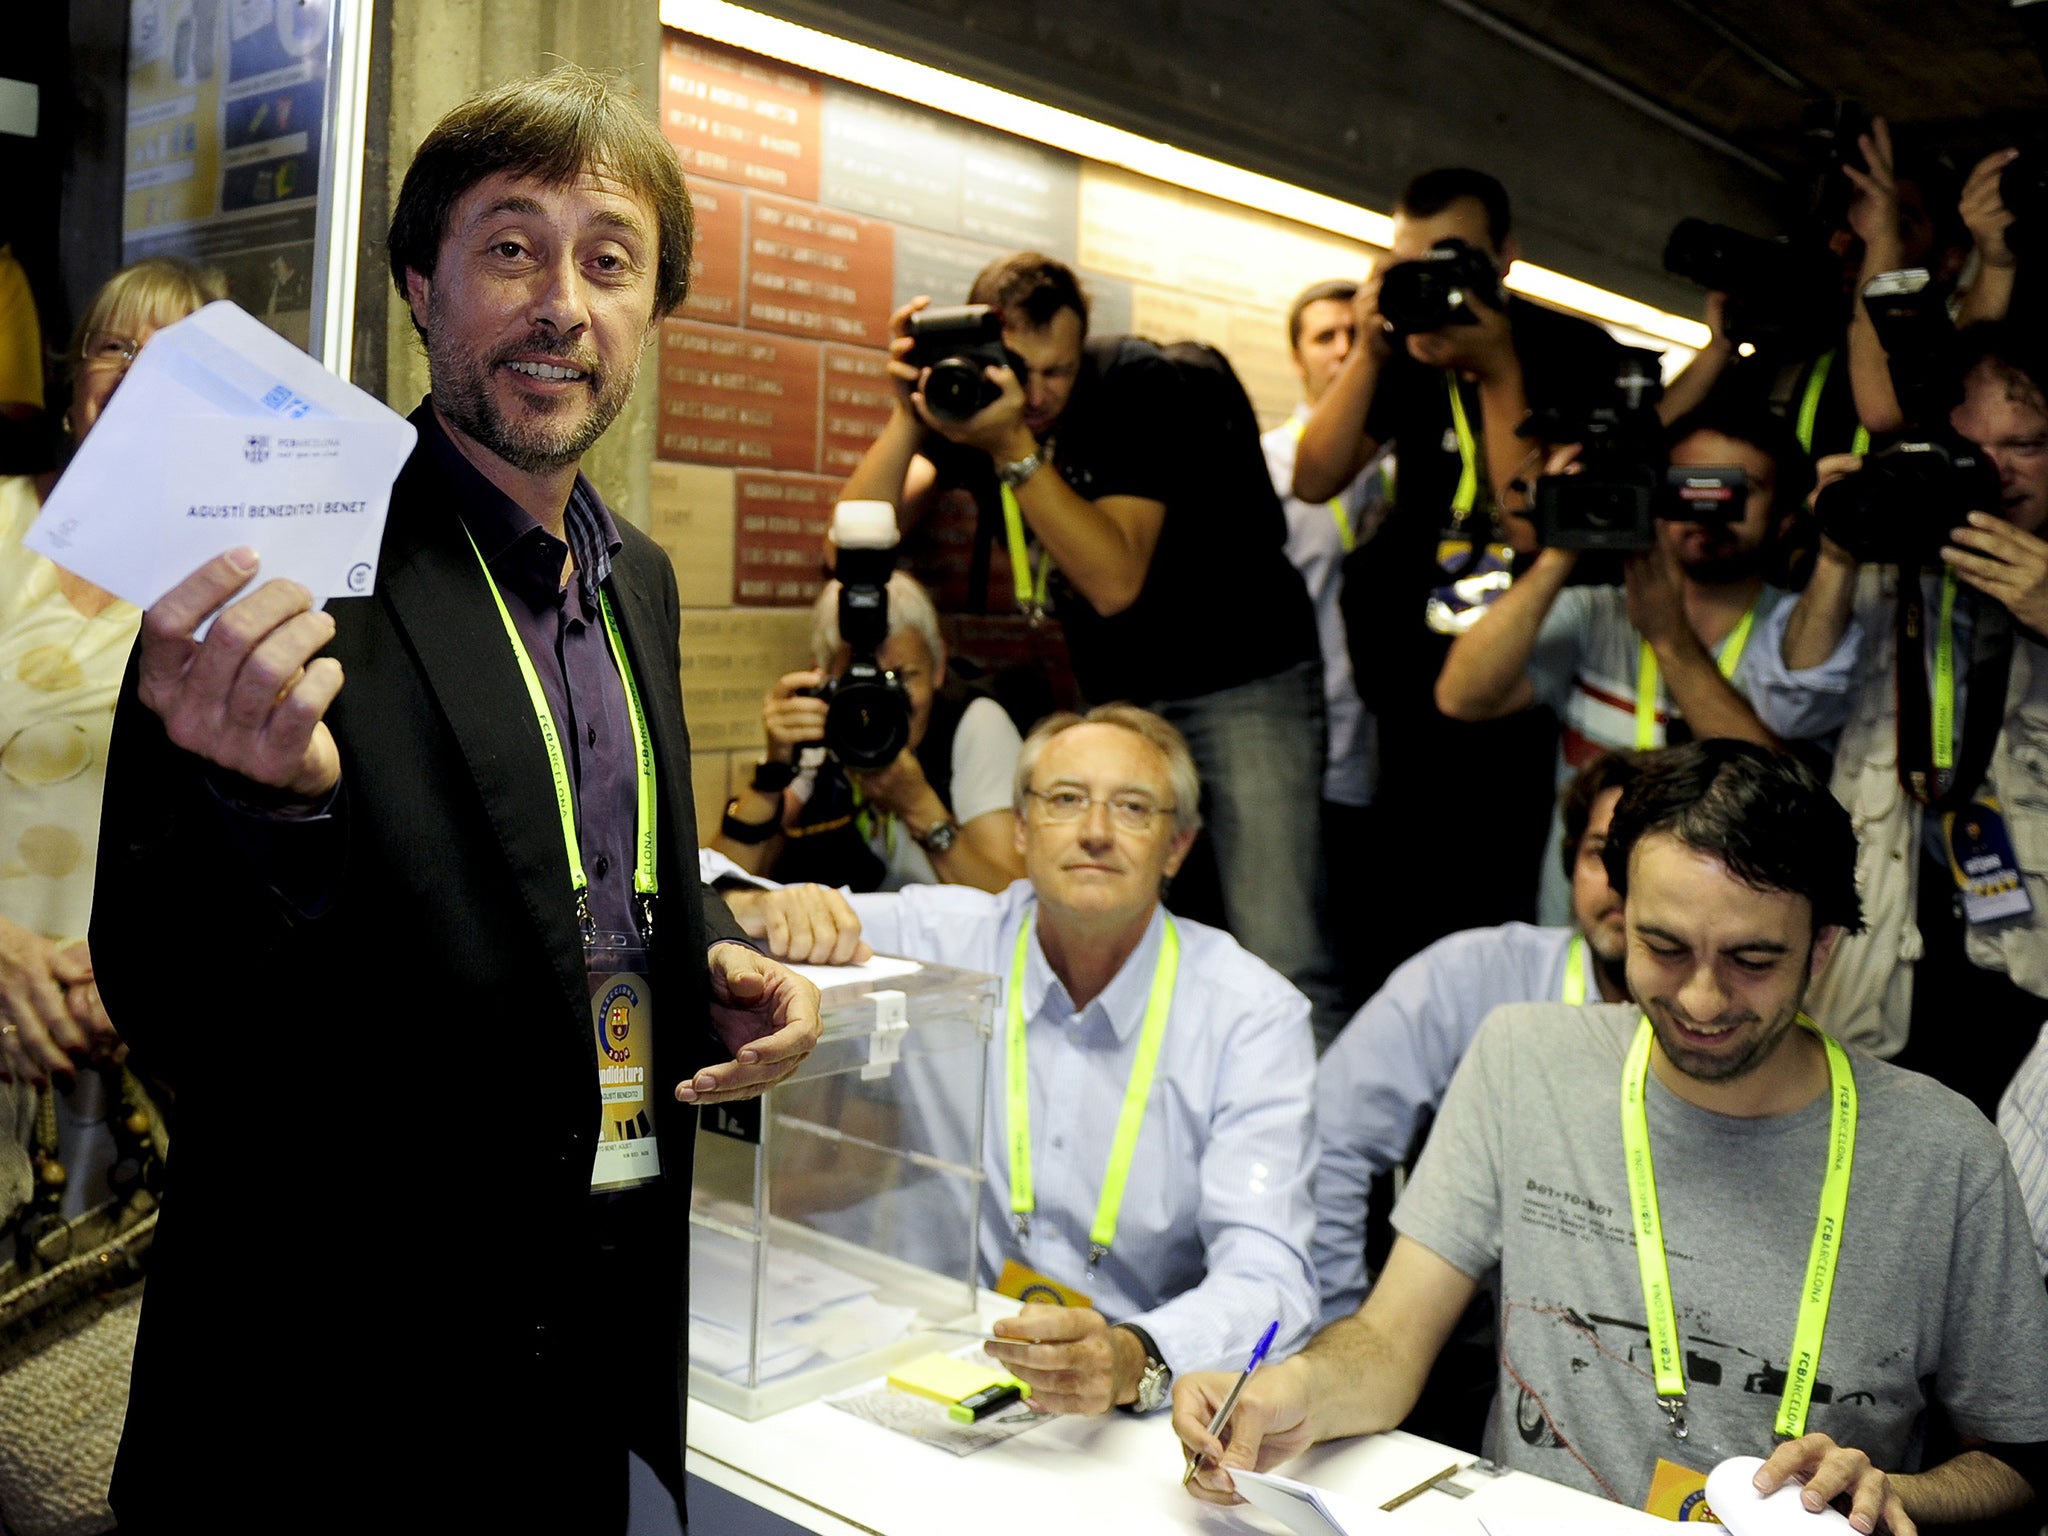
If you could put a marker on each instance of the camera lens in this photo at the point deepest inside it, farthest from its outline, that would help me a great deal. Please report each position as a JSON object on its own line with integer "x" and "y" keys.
{"x": 955, "y": 389}
{"x": 868, "y": 721}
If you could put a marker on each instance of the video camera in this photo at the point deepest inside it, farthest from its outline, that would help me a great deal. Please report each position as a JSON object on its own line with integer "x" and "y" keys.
{"x": 1899, "y": 507}
{"x": 958, "y": 343}
{"x": 1625, "y": 481}
{"x": 1435, "y": 289}
{"x": 1783, "y": 295}
{"x": 867, "y": 710}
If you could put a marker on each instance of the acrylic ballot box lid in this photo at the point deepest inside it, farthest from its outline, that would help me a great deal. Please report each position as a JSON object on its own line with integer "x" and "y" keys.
{"x": 833, "y": 1220}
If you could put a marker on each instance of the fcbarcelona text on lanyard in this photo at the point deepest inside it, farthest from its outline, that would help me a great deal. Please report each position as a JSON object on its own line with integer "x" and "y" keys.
{"x": 1646, "y": 677}
{"x": 644, "y": 886}
{"x": 1137, "y": 1090}
{"x": 1803, "y": 1367}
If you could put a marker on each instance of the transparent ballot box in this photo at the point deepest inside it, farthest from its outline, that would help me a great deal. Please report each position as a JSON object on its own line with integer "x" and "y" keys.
{"x": 832, "y": 1220}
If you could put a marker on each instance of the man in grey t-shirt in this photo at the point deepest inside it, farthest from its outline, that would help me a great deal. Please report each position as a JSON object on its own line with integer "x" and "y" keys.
{"x": 1736, "y": 868}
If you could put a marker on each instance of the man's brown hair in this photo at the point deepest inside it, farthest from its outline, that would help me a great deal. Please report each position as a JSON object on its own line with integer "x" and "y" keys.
{"x": 550, "y": 127}
{"x": 1031, "y": 289}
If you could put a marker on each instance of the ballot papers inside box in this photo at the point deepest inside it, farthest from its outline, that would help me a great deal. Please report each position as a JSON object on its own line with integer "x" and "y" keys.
{"x": 833, "y": 1219}
{"x": 223, "y": 434}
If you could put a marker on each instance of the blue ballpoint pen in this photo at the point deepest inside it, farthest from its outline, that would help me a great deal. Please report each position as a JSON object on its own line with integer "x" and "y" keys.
{"x": 1223, "y": 1413}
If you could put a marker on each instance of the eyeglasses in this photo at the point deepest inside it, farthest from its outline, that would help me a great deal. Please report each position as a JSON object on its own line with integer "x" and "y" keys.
{"x": 105, "y": 349}
{"x": 1133, "y": 813}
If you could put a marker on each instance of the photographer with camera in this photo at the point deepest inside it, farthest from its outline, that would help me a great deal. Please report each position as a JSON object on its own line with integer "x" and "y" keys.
{"x": 1667, "y": 654}
{"x": 936, "y": 812}
{"x": 1943, "y": 755}
{"x": 1445, "y": 369}
{"x": 1135, "y": 470}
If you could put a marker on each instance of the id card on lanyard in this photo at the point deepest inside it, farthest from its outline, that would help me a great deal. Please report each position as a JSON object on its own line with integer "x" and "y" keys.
{"x": 621, "y": 995}
{"x": 1137, "y": 1092}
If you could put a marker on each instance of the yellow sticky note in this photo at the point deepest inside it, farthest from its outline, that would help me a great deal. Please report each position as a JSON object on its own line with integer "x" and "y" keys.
{"x": 947, "y": 1378}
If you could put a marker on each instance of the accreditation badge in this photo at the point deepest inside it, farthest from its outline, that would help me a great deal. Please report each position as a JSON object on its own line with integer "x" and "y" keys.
{"x": 1679, "y": 1493}
{"x": 1471, "y": 581}
{"x": 1024, "y": 1283}
{"x": 1981, "y": 858}
{"x": 622, "y": 1016}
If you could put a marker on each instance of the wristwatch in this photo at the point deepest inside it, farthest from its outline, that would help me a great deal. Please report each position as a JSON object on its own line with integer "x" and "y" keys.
{"x": 747, "y": 832}
{"x": 938, "y": 837}
{"x": 1155, "y": 1383}
{"x": 1017, "y": 471}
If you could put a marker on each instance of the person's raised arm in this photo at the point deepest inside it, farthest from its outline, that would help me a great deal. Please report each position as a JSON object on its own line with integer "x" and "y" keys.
{"x": 1696, "y": 380}
{"x": 1486, "y": 671}
{"x": 1358, "y": 1376}
{"x": 1821, "y": 616}
{"x": 1334, "y": 443}
{"x": 1103, "y": 547}
{"x": 1707, "y": 700}
{"x": 1874, "y": 216}
{"x": 1987, "y": 218}
{"x": 892, "y": 469}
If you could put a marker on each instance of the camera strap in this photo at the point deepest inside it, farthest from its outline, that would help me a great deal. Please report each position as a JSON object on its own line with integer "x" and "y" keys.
{"x": 1727, "y": 661}
{"x": 1932, "y": 769}
{"x": 1030, "y": 590}
{"x": 1809, "y": 407}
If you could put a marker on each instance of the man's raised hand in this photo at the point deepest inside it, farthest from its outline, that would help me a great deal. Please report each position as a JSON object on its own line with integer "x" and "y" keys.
{"x": 253, "y": 695}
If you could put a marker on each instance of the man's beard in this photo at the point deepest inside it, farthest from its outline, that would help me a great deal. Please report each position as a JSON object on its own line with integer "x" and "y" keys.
{"x": 461, "y": 385}
{"x": 1706, "y": 1067}
{"x": 1723, "y": 568}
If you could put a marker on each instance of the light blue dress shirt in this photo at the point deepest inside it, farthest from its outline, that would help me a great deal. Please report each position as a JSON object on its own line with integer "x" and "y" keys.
{"x": 2023, "y": 1122}
{"x": 1212, "y": 1243}
{"x": 1394, "y": 1060}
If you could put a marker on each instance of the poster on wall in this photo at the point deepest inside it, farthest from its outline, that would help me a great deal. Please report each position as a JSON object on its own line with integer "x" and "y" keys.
{"x": 233, "y": 107}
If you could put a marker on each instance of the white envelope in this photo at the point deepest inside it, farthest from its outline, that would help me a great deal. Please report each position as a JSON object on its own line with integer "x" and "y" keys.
{"x": 224, "y": 434}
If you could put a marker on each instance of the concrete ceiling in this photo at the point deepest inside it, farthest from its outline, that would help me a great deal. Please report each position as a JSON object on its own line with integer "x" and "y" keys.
{"x": 1960, "y": 74}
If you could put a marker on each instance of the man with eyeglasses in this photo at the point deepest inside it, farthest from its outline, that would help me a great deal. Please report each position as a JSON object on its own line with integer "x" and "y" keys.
{"x": 1149, "y": 1139}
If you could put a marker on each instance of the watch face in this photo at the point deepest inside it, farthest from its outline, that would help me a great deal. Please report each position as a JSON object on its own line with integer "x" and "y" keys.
{"x": 1152, "y": 1387}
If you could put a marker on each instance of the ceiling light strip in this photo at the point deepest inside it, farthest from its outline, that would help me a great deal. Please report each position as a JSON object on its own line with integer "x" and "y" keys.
{"x": 858, "y": 64}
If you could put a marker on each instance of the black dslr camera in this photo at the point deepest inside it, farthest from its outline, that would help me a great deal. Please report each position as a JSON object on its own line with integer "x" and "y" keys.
{"x": 1625, "y": 481}
{"x": 957, "y": 343}
{"x": 867, "y": 714}
{"x": 1436, "y": 289}
{"x": 1783, "y": 296}
{"x": 2023, "y": 189}
{"x": 1899, "y": 507}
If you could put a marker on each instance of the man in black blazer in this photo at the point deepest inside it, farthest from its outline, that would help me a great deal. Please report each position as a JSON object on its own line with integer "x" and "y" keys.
{"x": 416, "y": 1266}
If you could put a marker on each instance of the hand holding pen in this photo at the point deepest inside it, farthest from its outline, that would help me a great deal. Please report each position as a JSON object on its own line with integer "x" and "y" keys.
{"x": 1229, "y": 1404}
{"x": 1269, "y": 1423}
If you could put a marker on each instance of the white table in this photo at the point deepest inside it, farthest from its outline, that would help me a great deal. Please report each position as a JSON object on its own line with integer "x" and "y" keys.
{"x": 826, "y": 1471}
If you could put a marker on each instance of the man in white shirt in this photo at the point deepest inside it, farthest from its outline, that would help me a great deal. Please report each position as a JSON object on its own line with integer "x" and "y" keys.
{"x": 1154, "y": 1150}
{"x": 1322, "y": 328}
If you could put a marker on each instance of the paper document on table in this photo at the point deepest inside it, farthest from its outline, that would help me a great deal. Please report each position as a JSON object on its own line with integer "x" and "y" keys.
{"x": 224, "y": 434}
{"x": 881, "y": 968}
{"x": 1306, "y": 1509}
{"x": 722, "y": 1282}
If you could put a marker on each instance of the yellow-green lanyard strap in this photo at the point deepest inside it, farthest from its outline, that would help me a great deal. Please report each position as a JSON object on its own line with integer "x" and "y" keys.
{"x": 1339, "y": 515}
{"x": 644, "y": 884}
{"x": 1809, "y": 407}
{"x": 1575, "y": 971}
{"x": 1646, "y": 677}
{"x": 1802, "y": 1369}
{"x": 1945, "y": 674}
{"x": 1137, "y": 1091}
{"x": 1030, "y": 593}
{"x": 1467, "y": 495}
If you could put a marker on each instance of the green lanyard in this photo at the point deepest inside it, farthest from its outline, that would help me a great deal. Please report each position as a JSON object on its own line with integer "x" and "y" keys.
{"x": 1346, "y": 539}
{"x": 1023, "y": 1199}
{"x": 1030, "y": 594}
{"x": 644, "y": 885}
{"x": 1945, "y": 674}
{"x": 1809, "y": 407}
{"x": 1802, "y": 1370}
{"x": 1575, "y": 971}
{"x": 1467, "y": 495}
{"x": 1646, "y": 677}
